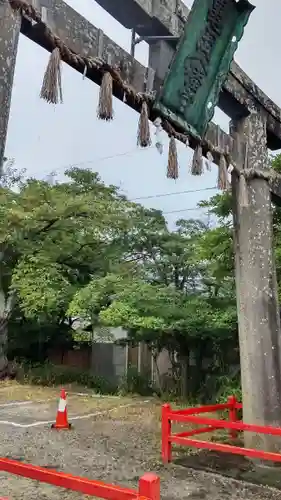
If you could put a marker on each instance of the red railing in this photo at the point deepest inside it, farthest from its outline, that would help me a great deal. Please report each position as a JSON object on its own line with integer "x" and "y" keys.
{"x": 149, "y": 484}
{"x": 233, "y": 425}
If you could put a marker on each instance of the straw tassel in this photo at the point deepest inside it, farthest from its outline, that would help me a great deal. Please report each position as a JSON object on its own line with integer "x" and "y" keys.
{"x": 173, "y": 167}
{"x": 197, "y": 161}
{"x": 223, "y": 182}
{"x": 144, "y": 139}
{"x": 209, "y": 156}
{"x": 158, "y": 139}
{"x": 105, "y": 107}
{"x": 209, "y": 161}
{"x": 51, "y": 90}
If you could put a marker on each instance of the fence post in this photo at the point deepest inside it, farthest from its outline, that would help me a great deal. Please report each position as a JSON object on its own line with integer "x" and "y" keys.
{"x": 232, "y": 416}
{"x": 166, "y": 433}
{"x": 149, "y": 486}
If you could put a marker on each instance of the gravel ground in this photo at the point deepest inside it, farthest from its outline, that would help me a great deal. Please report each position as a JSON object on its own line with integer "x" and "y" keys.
{"x": 116, "y": 447}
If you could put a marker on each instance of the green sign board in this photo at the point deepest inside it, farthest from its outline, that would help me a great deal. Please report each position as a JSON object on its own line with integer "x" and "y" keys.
{"x": 201, "y": 63}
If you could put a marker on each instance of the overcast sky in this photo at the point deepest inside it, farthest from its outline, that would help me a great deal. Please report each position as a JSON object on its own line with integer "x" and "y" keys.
{"x": 43, "y": 138}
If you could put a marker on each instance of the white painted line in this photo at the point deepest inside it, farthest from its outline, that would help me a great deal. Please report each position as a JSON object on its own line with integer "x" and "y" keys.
{"x": 78, "y": 417}
{"x": 38, "y": 401}
{"x": 16, "y": 403}
{"x": 98, "y": 396}
{"x": 22, "y": 403}
{"x": 41, "y": 401}
{"x": 55, "y": 398}
{"x": 13, "y": 424}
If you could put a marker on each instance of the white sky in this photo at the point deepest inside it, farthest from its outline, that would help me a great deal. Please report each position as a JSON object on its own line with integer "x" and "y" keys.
{"x": 42, "y": 138}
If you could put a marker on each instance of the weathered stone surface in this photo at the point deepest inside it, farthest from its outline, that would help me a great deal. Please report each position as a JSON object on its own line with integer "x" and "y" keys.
{"x": 165, "y": 12}
{"x": 254, "y": 90}
{"x": 256, "y": 286}
{"x": 244, "y": 91}
{"x": 130, "y": 15}
{"x": 10, "y": 23}
{"x": 84, "y": 38}
{"x": 160, "y": 57}
{"x": 240, "y": 94}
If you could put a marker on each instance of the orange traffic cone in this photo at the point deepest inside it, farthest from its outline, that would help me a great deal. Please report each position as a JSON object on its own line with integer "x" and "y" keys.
{"x": 62, "y": 420}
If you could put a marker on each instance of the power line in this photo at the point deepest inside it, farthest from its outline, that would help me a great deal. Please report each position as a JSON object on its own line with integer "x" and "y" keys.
{"x": 158, "y": 195}
{"x": 127, "y": 153}
{"x": 102, "y": 158}
{"x": 96, "y": 160}
{"x": 163, "y": 195}
{"x": 182, "y": 210}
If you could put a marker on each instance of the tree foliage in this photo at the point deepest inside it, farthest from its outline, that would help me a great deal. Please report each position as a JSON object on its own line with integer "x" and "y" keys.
{"x": 78, "y": 250}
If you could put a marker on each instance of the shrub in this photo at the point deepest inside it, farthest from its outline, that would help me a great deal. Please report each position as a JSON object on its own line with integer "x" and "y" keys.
{"x": 229, "y": 387}
{"x": 135, "y": 383}
{"x": 47, "y": 374}
{"x": 50, "y": 375}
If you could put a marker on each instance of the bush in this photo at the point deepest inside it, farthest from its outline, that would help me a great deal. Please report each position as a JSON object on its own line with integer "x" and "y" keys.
{"x": 50, "y": 375}
{"x": 135, "y": 383}
{"x": 229, "y": 387}
{"x": 47, "y": 374}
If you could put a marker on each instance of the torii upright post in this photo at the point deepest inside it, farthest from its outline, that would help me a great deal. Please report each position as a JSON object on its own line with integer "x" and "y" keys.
{"x": 256, "y": 288}
{"x": 10, "y": 23}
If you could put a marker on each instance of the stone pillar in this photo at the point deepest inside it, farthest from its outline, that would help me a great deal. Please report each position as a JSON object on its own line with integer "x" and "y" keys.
{"x": 159, "y": 59}
{"x": 10, "y": 23}
{"x": 256, "y": 287}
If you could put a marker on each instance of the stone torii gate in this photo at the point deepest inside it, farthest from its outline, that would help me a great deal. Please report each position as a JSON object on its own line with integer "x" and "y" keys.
{"x": 256, "y": 122}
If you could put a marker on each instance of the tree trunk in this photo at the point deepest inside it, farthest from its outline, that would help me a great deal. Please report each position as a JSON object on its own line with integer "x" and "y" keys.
{"x": 7, "y": 301}
{"x": 155, "y": 355}
{"x": 3, "y": 347}
{"x": 185, "y": 375}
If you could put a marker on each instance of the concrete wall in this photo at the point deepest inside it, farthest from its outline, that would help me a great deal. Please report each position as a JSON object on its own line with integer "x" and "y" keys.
{"x": 105, "y": 360}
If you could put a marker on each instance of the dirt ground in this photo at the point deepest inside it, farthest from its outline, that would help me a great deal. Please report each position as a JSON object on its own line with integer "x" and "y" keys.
{"x": 114, "y": 440}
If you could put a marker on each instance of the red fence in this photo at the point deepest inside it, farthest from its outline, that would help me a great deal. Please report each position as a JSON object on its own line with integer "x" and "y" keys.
{"x": 192, "y": 415}
{"x": 149, "y": 484}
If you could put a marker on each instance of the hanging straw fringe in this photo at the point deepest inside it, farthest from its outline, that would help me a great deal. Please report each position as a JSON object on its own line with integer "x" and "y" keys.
{"x": 209, "y": 161}
{"x": 144, "y": 139}
{"x": 173, "y": 167}
{"x": 243, "y": 192}
{"x": 158, "y": 139}
{"x": 51, "y": 93}
{"x": 223, "y": 182}
{"x": 209, "y": 156}
{"x": 197, "y": 161}
{"x": 105, "y": 107}
{"x": 51, "y": 90}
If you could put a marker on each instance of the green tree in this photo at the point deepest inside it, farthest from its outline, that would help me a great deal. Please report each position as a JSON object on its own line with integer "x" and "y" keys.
{"x": 52, "y": 240}
{"x": 166, "y": 318}
{"x": 78, "y": 249}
